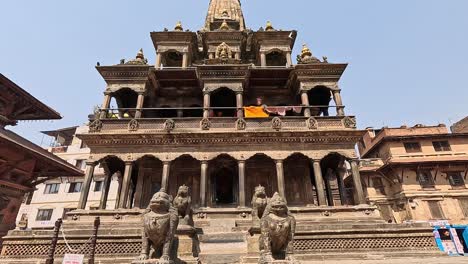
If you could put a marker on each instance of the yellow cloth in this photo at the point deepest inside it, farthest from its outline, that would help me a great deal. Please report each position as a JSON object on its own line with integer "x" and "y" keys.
{"x": 255, "y": 112}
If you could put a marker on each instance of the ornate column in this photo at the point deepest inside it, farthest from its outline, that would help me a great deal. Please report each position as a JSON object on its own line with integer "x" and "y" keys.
{"x": 105, "y": 105}
{"x": 203, "y": 181}
{"x": 361, "y": 199}
{"x": 139, "y": 106}
{"x": 139, "y": 186}
{"x": 305, "y": 102}
{"x": 242, "y": 202}
{"x": 165, "y": 175}
{"x": 158, "y": 60}
{"x": 280, "y": 178}
{"x": 119, "y": 189}
{"x": 288, "y": 59}
{"x": 86, "y": 185}
{"x": 126, "y": 184}
{"x": 206, "y": 104}
{"x": 185, "y": 60}
{"x": 105, "y": 191}
{"x": 319, "y": 183}
{"x": 240, "y": 104}
{"x": 263, "y": 59}
{"x": 338, "y": 102}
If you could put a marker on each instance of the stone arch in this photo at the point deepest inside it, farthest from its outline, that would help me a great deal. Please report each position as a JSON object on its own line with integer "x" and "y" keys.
{"x": 148, "y": 176}
{"x": 334, "y": 170}
{"x": 299, "y": 180}
{"x": 276, "y": 57}
{"x": 319, "y": 98}
{"x": 223, "y": 102}
{"x": 185, "y": 170}
{"x": 223, "y": 175}
{"x": 260, "y": 169}
{"x": 172, "y": 58}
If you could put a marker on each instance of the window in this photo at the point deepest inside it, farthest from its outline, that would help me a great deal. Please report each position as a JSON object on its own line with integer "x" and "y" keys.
{"x": 44, "y": 214}
{"x": 425, "y": 179}
{"x": 65, "y": 211}
{"x": 52, "y": 188}
{"x": 80, "y": 164}
{"x": 456, "y": 179}
{"x": 464, "y": 206}
{"x": 98, "y": 186}
{"x": 378, "y": 186}
{"x": 441, "y": 146}
{"x": 93, "y": 208}
{"x": 75, "y": 187}
{"x": 412, "y": 147}
{"x": 436, "y": 210}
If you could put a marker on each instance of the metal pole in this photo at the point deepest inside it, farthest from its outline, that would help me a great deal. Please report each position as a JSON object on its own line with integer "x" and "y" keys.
{"x": 97, "y": 222}
{"x": 53, "y": 244}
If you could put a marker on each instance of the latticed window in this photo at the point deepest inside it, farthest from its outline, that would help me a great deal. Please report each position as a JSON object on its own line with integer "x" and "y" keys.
{"x": 425, "y": 179}
{"x": 464, "y": 206}
{"x": 412, "y": 147}
{"x": 436, "y": 210}
{"x": 456, "y": 179}
{"x": 44, "y": 214}
{"x": 441, "y": 146}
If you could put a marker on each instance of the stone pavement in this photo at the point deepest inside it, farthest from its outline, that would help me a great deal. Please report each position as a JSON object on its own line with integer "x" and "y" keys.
{"x": 437, "y": 260}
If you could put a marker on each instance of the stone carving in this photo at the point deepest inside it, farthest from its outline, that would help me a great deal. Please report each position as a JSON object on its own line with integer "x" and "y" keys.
{"x": 183, "y": 204}
{"x": 169, "y": 125}
{"x": 349, "y": 122}
{"x": 159, "y": 227}
{"x": 95, "y": 126}
{"x": 312, "y": 123}
{"x": 205, "y": 124}
{"x": 276, "y": 123}
{"x": 277, "y": 233}
{"x": 133, "y": 125}
{"x": 259, "y": 203}
{"x": 223, "y": 51}
{"x": 241, "y": 124}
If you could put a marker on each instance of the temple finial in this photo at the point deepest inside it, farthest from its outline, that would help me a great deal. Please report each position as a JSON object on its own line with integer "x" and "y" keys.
{"x": 178, "y": 26}
{"x": 269, "y": 26}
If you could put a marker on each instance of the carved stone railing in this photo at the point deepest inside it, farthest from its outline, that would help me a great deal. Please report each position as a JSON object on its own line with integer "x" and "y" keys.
{"x": 182, "y": 125}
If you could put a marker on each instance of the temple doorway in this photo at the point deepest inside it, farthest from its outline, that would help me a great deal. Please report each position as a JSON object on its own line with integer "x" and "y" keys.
{"x": 223, "y": 182}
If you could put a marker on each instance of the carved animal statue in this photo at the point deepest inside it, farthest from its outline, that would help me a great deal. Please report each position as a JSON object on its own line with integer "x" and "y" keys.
{"x": 277, "y": 232}
{"x": 160, "y": 224}
{"x": 183, "y": 204}
{"x": 259, "y": 202}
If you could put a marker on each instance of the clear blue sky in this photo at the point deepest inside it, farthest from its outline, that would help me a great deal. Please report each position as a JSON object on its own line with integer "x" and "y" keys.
{"x": 408, "y": 58}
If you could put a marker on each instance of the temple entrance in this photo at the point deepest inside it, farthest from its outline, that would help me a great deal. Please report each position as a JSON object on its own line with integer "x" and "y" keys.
{"x": 334, "y": 171}
{"x": 185, "y": 170}
{"x": 223, "y": 182}
{"x": 260, "y": 170}
{"x": 297, "y": 174}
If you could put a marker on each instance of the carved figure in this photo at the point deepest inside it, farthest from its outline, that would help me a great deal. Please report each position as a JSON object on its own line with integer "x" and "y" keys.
{"x": 183, "y": 204}
{"x": 259, "y": 203}
{"x": 277, "y": 232}
{"x": 160, "y": 224}
{"x": 223, "y": 51}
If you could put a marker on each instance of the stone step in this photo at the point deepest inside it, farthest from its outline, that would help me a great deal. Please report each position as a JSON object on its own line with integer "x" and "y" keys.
{"x": 220, "y": 258}
{"x": 222, "y": 237}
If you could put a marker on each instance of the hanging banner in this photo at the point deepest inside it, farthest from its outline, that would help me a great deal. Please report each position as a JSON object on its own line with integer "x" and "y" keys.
{"x": 73, "y": 259}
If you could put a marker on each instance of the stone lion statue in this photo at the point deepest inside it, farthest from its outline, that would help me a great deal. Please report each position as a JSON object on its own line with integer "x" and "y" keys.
{"x": 183, "y": 204}
{"x": 259, "y": 203}
{"x": 277, "y": 233}
{"x": 160, "y": 224}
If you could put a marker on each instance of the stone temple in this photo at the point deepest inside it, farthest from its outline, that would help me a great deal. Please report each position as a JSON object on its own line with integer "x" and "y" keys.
{"x": 223, "y": 111}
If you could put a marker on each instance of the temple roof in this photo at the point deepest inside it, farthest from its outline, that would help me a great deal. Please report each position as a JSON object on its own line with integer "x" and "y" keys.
{"x": 17, "y": 104}
{"x": 228, "y": 11}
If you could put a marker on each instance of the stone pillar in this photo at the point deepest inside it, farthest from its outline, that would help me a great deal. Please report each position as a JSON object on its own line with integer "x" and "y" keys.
{"x": 280, "y": 178}
{"x": 105, "y": 191}
{"x": 206, "y": 104}
{"x": 240, "y": 104}
{"x": 139, "y": 106}
{"x": 126, "y": 184}
{"x": 263, "y": 59}
{"x": 165, "y": 175}
{"x": 139, "y": 186}
{"x": 361, "y": 199}
{"x": 340, "y": 176}
{"x": 203, "y": 182}
{"x": 185, "y": 60}
{"x": 237, "y": 55}
{"x": 305, "y": 102}
{"x": 242, "y": 202}
{"x": 86, "y": 185}
{"x": 158, "y": 60}
{"x": 288, "y": 59}
{"x": 319, "y": 183}
{"x": 105, "y": 105}
{"x": 119, "y": 189}
{"x": 338, "y": 103}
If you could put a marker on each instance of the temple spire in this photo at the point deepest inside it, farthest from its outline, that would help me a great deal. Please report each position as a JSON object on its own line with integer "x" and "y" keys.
{"x": 229, "y": 11}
